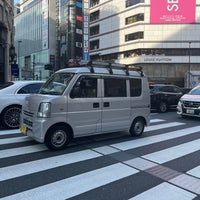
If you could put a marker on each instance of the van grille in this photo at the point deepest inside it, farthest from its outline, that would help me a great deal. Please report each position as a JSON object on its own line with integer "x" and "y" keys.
{"x": 191, "y": 104}
{"x": 30, "y": 114}
{"x": 27, "y": 122}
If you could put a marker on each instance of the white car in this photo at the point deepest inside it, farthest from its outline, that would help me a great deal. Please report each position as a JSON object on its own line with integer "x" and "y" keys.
{"x": 12, "y": 95}
{"x": 189, "y": 104}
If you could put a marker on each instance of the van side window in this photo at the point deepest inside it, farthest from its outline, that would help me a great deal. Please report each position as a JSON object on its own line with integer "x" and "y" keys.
{"x": 85, "y": 87}
{"x": 135, "y": 87}
{"x": 114, "y": 87}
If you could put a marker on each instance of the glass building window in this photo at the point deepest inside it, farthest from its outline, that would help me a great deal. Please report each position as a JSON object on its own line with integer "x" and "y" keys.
{"x": 134, "y": 36}
{"x": 94, "y": 3}
{"x": 134, "y": 18}
{"x": 94, "y": 16}
{"x": 133, "y": 2}
{"x": 94, "y": 45}
{"x": 94, "y": 30}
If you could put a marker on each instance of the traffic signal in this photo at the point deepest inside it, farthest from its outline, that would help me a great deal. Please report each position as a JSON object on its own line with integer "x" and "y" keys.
{"x": 48, "y": 67}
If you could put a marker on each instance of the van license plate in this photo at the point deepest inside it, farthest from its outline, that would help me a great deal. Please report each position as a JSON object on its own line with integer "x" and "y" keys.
{"x": 23, "y": 129}
{"x": 190, "y": 111}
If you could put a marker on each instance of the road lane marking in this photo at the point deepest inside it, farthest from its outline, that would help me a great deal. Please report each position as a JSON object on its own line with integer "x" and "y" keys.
{"x": 175, "y": 152}
{"x": 22, "y": 150}
{"x": 195, "y": 172}
{"x": 15, "y": 140}
{"x": 76, "y": 185}
{"x": 161, "y": 126}
{"x": 165, "y": 191}
{"x": 154, "y": 139}
{"x": 45, "y": 164}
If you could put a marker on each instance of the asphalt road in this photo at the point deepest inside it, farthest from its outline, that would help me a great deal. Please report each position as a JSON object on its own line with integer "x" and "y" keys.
{"x": 162, "y": 164}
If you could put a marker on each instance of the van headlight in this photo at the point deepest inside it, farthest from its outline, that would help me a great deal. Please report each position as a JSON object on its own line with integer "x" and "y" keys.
{"x": 44, "y": 110}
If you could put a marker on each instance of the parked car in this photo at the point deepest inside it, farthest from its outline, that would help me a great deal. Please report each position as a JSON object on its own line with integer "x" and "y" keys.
{"x": 189, "y": 104}
{"x": 12, "y": 95}
{"x": 164, "y": 97}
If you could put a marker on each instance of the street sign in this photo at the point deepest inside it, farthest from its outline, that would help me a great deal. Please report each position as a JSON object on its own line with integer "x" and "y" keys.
{"x": 15, "y": 70}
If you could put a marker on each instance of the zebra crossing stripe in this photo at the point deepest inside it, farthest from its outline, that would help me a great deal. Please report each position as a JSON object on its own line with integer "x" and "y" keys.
{"x": 161, "y": 126}
{"x": 8, "y": 132}
{"x": 76, "y": 185}
{"x": 45, "y": 164}
{"x": 22, "y": 150}
{"x": 165, "y": 191}
{"x": 15, "y": 140}
{"x": 173, "y": 152}
{"x": 156, "y": 120}
{"x": 153, "y": 139}
{"x": 195, "y": 172}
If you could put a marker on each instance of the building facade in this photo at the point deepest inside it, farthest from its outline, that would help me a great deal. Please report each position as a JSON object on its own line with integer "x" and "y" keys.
{"x": 161, "y": 36}
{"x": 53, "y": 36}
{"x": 7, "y": 52}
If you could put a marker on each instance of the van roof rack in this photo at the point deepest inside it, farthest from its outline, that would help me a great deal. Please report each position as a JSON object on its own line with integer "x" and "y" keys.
{"x": 110, "y": 66}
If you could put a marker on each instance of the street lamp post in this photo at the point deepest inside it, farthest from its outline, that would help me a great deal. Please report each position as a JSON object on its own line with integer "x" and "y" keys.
{"x": 189, "y": 65}
{"x": 18, "y": 49}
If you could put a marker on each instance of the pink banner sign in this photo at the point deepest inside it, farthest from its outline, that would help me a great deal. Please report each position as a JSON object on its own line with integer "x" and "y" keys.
{"x": 172, "y": 11}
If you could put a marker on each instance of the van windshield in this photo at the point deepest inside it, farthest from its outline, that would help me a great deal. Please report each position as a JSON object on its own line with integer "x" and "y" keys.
{"x": 56, "y": 84}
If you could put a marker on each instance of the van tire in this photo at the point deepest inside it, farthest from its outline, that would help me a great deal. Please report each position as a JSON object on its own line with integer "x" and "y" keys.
{"x": 57, "y": 137}
{"x": 137, "y": 127}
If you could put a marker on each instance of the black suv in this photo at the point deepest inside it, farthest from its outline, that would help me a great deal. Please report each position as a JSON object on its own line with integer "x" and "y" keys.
{"x": 164, "y": 97}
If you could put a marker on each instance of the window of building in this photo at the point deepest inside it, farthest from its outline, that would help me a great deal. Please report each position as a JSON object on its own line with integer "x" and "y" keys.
{"x": 94, "y": 45}
{"x": 114, "y": 87}
{"x": 94, "y": 16}
{"x": 94, "y": 3}
{"x": 134, "y": 18}
{"x": 135, "y": 87}
{"x": 133, "y": 2}
{"x": 94, "y": 30}
{"x": 134, "y": 36}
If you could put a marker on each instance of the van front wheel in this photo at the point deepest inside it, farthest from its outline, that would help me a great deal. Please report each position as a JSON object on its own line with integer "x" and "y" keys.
{"x": 57, "y": 138}
{"x": 137, "y": 127}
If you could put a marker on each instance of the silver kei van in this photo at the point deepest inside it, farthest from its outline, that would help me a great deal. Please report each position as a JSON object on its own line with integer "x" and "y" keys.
{"x": 94, "y": 98}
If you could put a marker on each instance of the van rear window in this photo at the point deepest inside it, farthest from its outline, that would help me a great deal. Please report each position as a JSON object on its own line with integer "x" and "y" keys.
{"x": 135, "y": 87}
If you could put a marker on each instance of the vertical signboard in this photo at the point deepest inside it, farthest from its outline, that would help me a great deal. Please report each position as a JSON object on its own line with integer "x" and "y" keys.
{"x": 85, "y": 30}
{"x": 45, "y": 27}
{"x": 172, "y": 11}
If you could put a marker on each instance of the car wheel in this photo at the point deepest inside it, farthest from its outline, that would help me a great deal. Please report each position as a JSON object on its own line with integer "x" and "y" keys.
{"x": 57, "y": 138}
{"x": 137, "y": 127}
{"x": 162, "y": 107}
{"x": 11, "y": 117}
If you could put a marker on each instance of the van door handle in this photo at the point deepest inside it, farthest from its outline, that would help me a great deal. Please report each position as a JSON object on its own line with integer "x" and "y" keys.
{"x": 106, "y": 104}
{"x": 95, "y": 105}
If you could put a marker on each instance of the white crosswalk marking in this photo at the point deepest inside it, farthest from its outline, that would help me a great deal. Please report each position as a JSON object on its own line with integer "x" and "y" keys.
{"x": 22, "y": 150}
{"x": 173, "y": 152}
{"x": 165, "y": 191}
{"x": 15, "y": 140}
{"x": 111, "y": 163}
{"x": 157, "y": 138}
{"x": 76, "y": 185}
{"x": 44, "y": 164}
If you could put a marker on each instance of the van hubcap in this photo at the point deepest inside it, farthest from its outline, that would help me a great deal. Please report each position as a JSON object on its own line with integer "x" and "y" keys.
{"x": 59, "y": 138}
